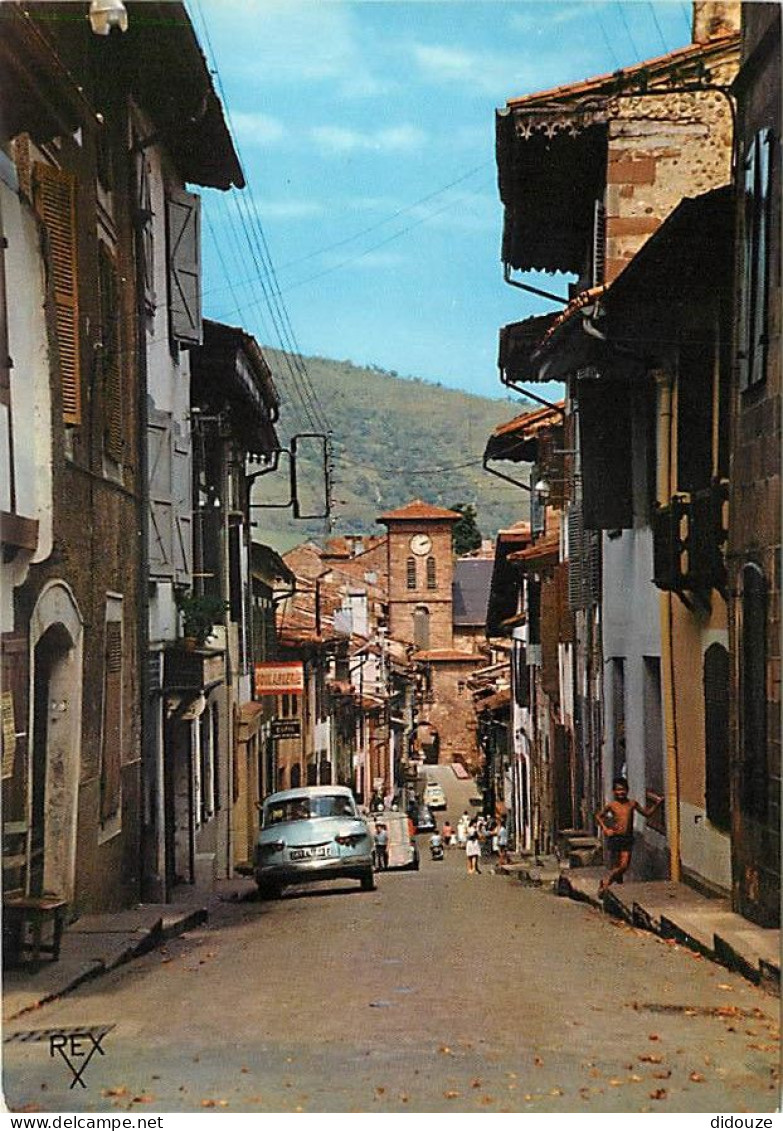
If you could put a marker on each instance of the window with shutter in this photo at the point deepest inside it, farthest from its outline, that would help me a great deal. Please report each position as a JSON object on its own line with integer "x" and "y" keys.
{"x": 753, "y": 676}
{"x": 599, "y": 243}
{"x": 754, "y": 290}
{"x": 54, "y": 192}
{"x": 410, "y": 573}
{"x": 519, "y": 674}
{"x": 145, "y": 218}
{"x": 112, "y": 722}
{"x": 550, "y": 668}
{"x": 432, "y": 578}
{"x": 184, "y": 246}
{"x": 182, "y": 510}
{"x": 161, "y": 540}
{"x": 565, "y": 632}
{"x": 110, "y": 354}
{"x": 605, "y": 444}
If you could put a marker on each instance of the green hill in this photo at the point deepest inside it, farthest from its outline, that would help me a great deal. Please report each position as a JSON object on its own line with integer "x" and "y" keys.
{"x": 394, "y": 439}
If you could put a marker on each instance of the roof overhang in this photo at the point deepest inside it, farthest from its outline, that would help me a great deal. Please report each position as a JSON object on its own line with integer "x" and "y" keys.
{"x": 230, "y": 374}
{"x": 518, "y": 439}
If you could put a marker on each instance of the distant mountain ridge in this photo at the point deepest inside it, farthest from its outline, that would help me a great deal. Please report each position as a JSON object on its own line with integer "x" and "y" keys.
{"x": 394, "y": 439}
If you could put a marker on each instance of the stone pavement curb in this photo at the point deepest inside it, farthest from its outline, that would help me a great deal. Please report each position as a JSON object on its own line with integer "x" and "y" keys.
{"x": 675, "y": 911}
{"x": 95, "y": 944}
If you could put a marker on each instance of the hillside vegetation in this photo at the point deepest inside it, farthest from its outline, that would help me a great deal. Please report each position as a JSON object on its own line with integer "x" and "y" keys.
{"x": 394, "y": 439}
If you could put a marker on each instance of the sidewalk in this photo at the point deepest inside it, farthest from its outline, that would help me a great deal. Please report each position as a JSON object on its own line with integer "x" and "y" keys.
{"x": 95, "y": 944}
{"x": 676, "y": 911}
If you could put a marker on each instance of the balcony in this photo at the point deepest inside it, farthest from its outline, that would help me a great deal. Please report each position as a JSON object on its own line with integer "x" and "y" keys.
{"x": 197, "y": 670}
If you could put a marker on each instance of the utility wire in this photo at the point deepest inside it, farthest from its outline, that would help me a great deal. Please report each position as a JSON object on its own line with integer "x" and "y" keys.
{"x": 634, "y": 48}
{"x": 607, "y": 40}
{"x": 372, "y": 227}
{"x": 260, "y": 254}
{"x": 651, "y": 6}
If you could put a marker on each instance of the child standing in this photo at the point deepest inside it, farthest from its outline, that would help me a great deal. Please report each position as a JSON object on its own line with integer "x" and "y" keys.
{"x": 616, "y": 822}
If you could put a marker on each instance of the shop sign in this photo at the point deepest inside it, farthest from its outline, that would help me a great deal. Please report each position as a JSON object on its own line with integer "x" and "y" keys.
{"x": 286, "y": 728}
{"x": 279, "y": 679}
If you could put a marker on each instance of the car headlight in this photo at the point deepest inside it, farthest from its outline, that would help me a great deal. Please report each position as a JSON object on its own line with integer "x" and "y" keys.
{"x": 272, "y": 846}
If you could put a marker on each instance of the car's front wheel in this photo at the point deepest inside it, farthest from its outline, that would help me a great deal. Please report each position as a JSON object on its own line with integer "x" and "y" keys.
{"x": 368, "y": 880}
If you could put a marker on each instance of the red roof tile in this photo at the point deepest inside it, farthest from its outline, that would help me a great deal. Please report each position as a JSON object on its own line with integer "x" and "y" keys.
{"x": 417, "y": 511}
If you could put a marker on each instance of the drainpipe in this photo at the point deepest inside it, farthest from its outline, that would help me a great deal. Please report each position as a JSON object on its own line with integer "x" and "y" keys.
{"x": 664, "y": 494}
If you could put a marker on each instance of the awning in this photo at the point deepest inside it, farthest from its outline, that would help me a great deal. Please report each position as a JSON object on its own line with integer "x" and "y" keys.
{"x": 518, "y": 439}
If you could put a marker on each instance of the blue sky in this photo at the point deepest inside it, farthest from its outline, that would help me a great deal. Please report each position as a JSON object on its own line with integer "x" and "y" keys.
{"x": 367, "y": 133}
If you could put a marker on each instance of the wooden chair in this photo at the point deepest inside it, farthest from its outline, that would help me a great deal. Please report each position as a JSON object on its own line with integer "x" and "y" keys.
{"x": 25, "y": 918}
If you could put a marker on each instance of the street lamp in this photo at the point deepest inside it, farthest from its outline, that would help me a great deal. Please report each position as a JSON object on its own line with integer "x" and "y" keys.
{"x": 107, "y": 14}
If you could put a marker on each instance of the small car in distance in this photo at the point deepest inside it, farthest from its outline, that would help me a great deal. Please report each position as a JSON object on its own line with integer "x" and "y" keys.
{"x": 434, "y": 796}
{"x": 424, "y": 820}
{"x": 311, "y": 833}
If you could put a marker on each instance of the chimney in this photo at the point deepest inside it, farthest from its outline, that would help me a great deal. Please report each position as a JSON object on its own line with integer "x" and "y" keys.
{"x": 714, "y": 19}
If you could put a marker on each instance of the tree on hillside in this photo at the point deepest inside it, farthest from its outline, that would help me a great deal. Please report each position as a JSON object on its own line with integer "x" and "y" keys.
{"x": 466, "y": 535}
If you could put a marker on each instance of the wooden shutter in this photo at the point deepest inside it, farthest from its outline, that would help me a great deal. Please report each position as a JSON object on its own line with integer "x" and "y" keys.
{"x": 565, "y": 618}
{"x": 184, "y": 234}
{"x": 110, "y": 354}
{"x": 550, "y": 669}
{"x": 761, "y": 287}
{"x": 432, "y": 580}
{"x": 599, "y": 243}
{"x": 575, "y": 540}
{"x": 182, "y": 509}
{"x": 55, "y": 202}
{"x": 145, "y": 217}
{"x": 605, "y": 442}
{"x": 161, "y": 547}
{"x": 716, "y": 728}
{"x": 112, "y": 722}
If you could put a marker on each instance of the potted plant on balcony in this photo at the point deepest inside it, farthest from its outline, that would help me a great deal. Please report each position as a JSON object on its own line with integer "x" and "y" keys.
{"x": 200, "y": 613}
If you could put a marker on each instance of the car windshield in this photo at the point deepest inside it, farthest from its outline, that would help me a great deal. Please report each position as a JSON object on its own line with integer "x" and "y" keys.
{"x": 305, "y": 808}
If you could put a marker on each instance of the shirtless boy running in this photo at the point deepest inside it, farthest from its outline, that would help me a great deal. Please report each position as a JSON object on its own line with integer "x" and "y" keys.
{"x": 616, "y": 821}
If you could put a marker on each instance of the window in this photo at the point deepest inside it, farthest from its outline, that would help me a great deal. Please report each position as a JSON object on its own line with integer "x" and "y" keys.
{"x": 410, "y": 579}
{"x": 110, "y": 353}
{"x": 111, "y": 739}
{"x": 755, "y": 260}
{"x": 421, "y": 627}
{"x": 432, "y": 578}
{"x": 54, "y": 193}
{"x": 695, "y": 385}
{"x": 753, "y": 702}
{"x": 716, "y": 725}
{"x": 184, "y": 232}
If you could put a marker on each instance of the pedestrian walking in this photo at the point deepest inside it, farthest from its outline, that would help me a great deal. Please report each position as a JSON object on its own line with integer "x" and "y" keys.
{"x": 381, "y": 847}
{"x": 473, "y": 851}
{"x": 616, "y": 822}
{"x": 463, "y": 824}
{"x": 448, "y": 833}
{"x": 502, "y": 836}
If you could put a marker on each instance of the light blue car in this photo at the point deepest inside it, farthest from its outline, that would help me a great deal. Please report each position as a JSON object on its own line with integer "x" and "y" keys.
{"x": 312, "y": 833}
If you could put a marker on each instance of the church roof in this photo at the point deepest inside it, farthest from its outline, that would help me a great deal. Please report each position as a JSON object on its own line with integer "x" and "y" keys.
{"x": 419, "y": 511}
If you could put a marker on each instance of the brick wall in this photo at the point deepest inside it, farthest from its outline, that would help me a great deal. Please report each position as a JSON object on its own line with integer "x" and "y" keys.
{"x": 403, "y": 601}
{"x": 451, "y": 711}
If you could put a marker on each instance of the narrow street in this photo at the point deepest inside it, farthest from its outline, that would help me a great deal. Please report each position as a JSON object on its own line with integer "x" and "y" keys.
{"x": 438, "y": 992}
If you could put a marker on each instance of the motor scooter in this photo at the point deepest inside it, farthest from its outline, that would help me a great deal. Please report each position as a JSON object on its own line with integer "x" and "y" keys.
{"x": 436, "y": 848}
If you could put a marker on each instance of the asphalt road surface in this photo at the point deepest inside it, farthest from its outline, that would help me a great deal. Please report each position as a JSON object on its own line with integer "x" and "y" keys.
{"x": 439, "y": 992}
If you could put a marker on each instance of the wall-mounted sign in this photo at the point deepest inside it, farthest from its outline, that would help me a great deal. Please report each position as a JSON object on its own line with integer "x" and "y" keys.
{"x": 279, "y": 678}
{"x": 286, "y": 728}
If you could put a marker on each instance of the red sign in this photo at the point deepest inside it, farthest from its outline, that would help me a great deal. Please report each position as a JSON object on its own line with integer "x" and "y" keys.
{"x": 279, "y": 678}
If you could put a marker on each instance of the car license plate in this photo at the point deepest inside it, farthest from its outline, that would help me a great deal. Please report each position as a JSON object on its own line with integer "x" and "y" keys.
{"x": 311, "y": 853}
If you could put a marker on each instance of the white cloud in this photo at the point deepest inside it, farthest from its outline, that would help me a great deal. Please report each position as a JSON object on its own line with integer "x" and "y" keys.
{"x": 486, "y": 71}
{"x": 297, "y": 43}
{"x": 256, "y": 128}
{"x": 393, "y": 139}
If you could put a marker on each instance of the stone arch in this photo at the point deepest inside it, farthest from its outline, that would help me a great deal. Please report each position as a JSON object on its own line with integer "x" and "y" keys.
{"x": 55, "y": 727}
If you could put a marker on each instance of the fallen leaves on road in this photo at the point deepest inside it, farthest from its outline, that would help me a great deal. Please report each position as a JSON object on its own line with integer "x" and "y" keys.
{"x": 653, "y": 1037}
{"x": 697, "y": 1077}
{"x": 663, "y": 1075}
{"x": 650, "y": 1058}
{"x": 615, "y": 1083}
{"x": 725, "y": 986}
{"x": 659, "y": 1094}
{"x": 556, "y": 1092}
{"x": 538, "y": 1062}
{"x": 143, "y": 1099}
{"x": 487, "y": 1100}
{"x": 445, "y": 1050}
{"x": 121, "y": 1091}
{"x": 380, "y": 1090}
{"x": 451, "y": 1095}
{"x": 475, "y": 1083}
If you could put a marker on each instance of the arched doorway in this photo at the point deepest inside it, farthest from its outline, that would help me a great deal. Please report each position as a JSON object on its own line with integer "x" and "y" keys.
{"x": 55, "y": 747}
